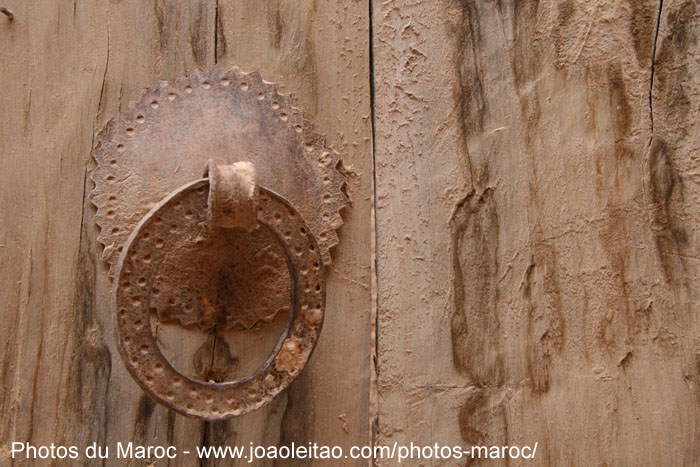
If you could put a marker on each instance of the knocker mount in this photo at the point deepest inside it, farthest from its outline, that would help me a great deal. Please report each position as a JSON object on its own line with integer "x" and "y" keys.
{"x": 217, "y": 207}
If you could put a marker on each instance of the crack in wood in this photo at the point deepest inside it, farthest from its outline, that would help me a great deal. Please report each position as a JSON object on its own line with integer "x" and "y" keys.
{"x": 653, "y": 63}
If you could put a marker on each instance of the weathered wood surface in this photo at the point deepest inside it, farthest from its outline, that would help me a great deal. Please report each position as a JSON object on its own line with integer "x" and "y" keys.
{"x": 537, "y": 242}
{"x": 537, "y": 194}
{"x": 67, "y": 68}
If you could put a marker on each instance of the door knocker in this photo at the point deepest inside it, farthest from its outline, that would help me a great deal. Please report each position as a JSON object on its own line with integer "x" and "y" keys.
{"x": 217, "y": 207}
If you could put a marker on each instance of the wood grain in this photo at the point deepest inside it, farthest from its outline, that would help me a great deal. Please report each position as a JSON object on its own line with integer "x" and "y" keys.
{"x": 68, "y": 68}
{"x": 536, "y": 168}
{"x": 536, "y": 243}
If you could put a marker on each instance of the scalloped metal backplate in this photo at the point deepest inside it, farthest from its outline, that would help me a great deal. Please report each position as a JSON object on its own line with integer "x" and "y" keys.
{"x": 163, "y": 142}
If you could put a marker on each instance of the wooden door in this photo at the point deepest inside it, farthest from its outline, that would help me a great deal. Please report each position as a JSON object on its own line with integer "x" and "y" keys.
{"x": 519, "y": 263}
{"x": 68, "y": 68}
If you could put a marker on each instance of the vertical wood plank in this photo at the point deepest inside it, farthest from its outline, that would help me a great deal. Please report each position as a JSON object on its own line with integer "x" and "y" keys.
{"x": 50, "y": 97}
{"x": 68, "y": 68}
{"x": 535, "y": 233}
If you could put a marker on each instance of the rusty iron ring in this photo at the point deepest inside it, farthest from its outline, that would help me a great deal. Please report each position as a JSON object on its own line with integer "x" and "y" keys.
{"x": 137, "y": 269}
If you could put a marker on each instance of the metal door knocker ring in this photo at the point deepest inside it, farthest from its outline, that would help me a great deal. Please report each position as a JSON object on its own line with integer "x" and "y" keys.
{"x": 227, "y": 199}
{"x": 231, "y": 254}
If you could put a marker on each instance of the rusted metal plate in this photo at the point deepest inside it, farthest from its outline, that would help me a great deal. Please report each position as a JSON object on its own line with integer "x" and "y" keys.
{"x": 225, "y": 272}
{"x": 138, "y": 297}
{"x": 164, "y": 140}
{"x": 216, "y": 253}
